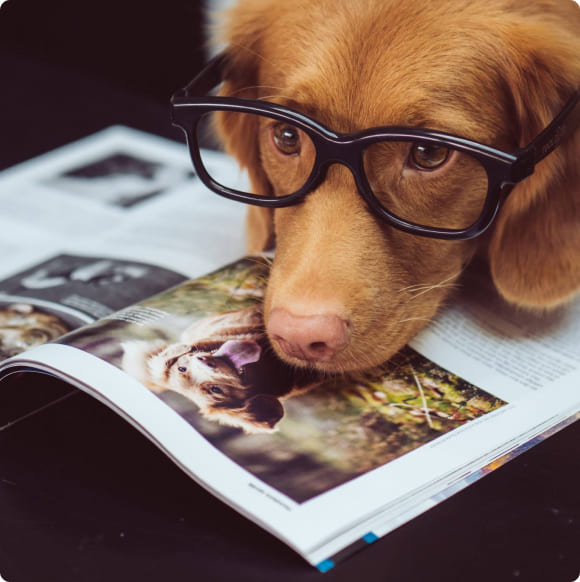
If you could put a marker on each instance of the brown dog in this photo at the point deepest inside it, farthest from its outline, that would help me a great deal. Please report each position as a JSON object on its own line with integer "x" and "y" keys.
{"x": 223, "y": 364}
{"x": 347, "y": 290}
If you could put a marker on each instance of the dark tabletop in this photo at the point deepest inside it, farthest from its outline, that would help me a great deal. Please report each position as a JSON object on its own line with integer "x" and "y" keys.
{"x": 85, "y": 497}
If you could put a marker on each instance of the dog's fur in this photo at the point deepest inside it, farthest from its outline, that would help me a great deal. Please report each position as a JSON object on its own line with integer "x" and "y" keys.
{"x": 223, "y": 364}
{"x": 496, "y": 72}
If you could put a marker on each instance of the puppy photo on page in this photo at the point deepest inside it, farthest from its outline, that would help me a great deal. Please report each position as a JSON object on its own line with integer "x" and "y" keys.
{"x": 223, "y": 364}
{"x": 387, "y": 144}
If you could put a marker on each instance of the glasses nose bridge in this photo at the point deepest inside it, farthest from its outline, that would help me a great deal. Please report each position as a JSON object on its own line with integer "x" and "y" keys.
{"x": 341, "y": 152}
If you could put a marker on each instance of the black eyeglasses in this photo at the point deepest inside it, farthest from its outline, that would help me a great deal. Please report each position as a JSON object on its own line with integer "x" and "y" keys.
{"x": 461, "y": 183}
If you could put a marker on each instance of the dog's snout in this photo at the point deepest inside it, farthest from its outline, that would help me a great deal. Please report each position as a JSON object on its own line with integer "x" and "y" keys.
{"x": 308, "y": 337}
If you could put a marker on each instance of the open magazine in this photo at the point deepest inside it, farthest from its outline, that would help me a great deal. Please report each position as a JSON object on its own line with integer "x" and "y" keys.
{"x": 119, "y": 304}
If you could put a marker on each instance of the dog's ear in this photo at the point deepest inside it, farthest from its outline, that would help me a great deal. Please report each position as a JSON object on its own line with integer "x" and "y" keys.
{"x": 262, "y": 413}
{"x": 239, "y": 134}
{"x": 240, "y": 352}
{"x": 534, "y": 251}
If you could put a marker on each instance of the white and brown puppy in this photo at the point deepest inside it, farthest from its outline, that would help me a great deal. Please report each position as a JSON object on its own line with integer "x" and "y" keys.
{"x": 224, "y": 364}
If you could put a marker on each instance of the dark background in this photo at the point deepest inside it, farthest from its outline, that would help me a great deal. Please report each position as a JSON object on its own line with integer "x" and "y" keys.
{"x": 71, "y": 67}
{"x": 83, "y": 496}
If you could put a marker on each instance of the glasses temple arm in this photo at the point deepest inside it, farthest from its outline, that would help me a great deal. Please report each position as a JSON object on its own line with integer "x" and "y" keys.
{"x": 208, "y": 78}
{"x": 562, "y": 126}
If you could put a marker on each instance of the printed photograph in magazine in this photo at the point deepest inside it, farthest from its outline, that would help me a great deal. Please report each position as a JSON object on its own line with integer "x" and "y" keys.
{"x": 120, "y": 179}
{"x": 202, "y": 349}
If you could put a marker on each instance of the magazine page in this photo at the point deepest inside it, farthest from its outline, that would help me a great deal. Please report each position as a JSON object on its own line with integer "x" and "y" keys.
{"x": 489, "y": 342}
{"x": 100, "y": 224}
{"x": 326, "y": 464}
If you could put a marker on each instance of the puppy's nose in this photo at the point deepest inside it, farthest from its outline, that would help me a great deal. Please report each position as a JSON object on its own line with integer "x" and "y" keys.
{"x": 308, "y": 337}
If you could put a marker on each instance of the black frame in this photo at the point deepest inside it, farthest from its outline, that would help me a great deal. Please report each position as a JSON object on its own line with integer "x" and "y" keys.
{"x": 504, "y": 170}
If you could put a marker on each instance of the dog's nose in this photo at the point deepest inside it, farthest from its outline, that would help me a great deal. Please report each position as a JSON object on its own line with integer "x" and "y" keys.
{"x": 308, "y": 337}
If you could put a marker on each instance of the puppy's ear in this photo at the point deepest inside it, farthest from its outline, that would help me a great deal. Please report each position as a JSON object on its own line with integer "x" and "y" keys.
{"x": 262, "y": 413}
{"x": 242, "y": 33}
{"x": 534, "y": 251}
{"x": 240, "y": 352}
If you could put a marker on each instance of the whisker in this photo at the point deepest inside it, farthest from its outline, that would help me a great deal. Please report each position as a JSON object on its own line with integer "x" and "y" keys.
{"x": 275, "y": 96}
{"x": 251, "y": 51}
{"x": 417, "y": 290}
{"x": 432, "y": 288}
{"x": 414, "y": 287}
{"x": 422, "y": 286}
{"x": 263, "y": 87}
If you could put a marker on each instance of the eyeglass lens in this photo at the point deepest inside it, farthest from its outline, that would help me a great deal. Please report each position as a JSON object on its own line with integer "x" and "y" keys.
{"x": 426, "y": 183}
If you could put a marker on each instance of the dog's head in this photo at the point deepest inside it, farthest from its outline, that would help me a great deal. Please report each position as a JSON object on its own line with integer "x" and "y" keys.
{"x": 346, "y": 290}
{"x": 213, "y": 380}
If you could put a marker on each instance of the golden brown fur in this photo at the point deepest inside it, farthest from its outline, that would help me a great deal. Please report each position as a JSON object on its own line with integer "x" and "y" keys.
{"x": 496, "y": 72}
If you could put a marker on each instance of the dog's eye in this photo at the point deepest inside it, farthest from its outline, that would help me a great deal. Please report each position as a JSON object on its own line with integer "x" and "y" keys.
{"x": 428, "y": 156}
{"x": 287, "y": 138}
{"x": 216, "y": 390}
{"x": 182, "y": 369}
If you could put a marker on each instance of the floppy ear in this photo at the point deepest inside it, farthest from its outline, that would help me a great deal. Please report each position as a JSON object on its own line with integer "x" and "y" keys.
{"x": 534, "y": 251}
{"x": 240, "y": 352}
{"x": 239, "y": 134}
{"x": 262, "y": 413}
